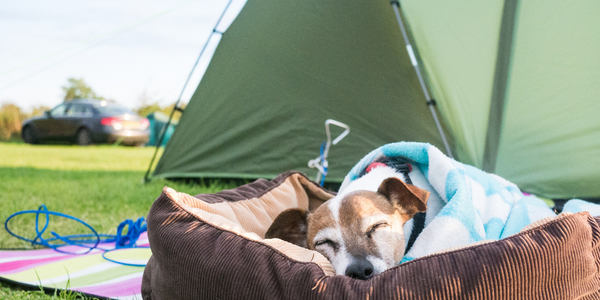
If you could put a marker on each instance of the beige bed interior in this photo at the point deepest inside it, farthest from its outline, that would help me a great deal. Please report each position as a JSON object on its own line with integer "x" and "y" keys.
{"x": 252, "y": 217}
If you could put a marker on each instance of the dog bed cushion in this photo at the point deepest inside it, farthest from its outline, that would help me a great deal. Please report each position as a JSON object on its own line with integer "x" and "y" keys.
{"x": 211, "y": 246}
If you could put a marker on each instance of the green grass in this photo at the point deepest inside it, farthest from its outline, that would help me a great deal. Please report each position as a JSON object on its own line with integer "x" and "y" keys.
{"x": 102, "y": 185}
{"x": 75, "y": 158}
{"x": 8, "y": 291}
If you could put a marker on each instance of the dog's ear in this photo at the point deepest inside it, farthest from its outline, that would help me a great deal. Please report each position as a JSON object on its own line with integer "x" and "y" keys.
{"x": 406, "y": 197}
{"x": 291, "y": 226}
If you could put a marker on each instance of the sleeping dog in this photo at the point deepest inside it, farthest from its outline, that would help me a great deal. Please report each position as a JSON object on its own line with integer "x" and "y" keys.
{"x": 360, "y": 230}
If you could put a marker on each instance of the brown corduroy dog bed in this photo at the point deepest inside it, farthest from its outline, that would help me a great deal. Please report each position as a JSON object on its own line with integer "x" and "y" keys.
{"x": 211, "y": 246}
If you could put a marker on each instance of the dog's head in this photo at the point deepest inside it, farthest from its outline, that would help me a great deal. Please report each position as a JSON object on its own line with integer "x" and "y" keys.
{"x": 361, "y": 232}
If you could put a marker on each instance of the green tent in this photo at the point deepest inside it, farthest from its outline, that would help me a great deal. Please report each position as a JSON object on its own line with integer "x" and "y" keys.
{"x": 517, "y": 86}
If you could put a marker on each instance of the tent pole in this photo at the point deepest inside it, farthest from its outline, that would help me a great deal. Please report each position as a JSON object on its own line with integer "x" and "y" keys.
{"x": 430, "y": 102}
{"x": 500, "y": 87}
{"x": 176, "y": 107}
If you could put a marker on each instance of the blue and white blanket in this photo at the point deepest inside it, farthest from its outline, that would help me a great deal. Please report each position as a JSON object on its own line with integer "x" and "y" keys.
{"x": 477, "y": 205}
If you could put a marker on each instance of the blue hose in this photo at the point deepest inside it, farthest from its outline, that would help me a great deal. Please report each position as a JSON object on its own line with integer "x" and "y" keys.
{"x": 121, "y": 240}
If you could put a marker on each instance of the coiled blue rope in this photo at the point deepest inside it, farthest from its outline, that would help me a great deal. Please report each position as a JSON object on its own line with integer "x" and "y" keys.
{"x": 87, "y": 241}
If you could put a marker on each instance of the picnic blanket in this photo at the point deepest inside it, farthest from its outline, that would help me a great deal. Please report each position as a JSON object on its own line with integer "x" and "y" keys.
{"x": 89, "y": 273}
{"x": 477, "y": 205}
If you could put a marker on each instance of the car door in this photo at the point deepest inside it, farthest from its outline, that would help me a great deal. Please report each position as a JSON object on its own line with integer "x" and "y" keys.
{"x": 75, "y": 117}
{"x": 49, "y": 126}
{"x": 60, "y": 128}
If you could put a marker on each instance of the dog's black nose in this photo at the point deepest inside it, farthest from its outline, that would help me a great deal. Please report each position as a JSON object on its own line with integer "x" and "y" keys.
{"x": 361, "y": 269}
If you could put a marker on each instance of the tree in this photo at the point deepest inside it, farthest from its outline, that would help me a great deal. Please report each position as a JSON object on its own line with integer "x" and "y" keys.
{"x": 148, "y": 105}
{"x": 78, "y": 89}
{"x": 11, "y": 118}
{"x": 39, "y": 110}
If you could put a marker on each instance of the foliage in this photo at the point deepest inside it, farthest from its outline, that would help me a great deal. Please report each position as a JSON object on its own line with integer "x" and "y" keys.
{"x": 78, "y": 89}
{"x": 155, "y": 107}
{"x": 148, "y": 106}
{"x": 11, "y": 118}
{"x": 39, "y": 110}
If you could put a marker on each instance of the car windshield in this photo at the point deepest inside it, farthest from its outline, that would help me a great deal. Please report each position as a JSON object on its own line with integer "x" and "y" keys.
{"x": 107, "y": 108}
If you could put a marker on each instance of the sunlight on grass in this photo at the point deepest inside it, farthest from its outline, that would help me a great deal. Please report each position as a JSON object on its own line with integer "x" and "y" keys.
{"x": 67, "y": 157}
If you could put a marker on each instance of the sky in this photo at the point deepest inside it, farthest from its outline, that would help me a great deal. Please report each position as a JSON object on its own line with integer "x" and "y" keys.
{"x": 121, "y": 49}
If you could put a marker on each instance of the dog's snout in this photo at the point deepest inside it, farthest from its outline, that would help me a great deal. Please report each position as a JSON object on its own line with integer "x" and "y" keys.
{"x": 361, "y": 269}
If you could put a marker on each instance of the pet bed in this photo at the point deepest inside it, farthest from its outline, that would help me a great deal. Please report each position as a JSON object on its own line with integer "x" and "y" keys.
{"x": 211, "y": 246}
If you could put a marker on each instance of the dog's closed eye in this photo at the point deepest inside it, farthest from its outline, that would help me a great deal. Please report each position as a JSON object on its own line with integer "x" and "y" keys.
{"x": 327, "y": 242}
{"x": 375, "y": 227}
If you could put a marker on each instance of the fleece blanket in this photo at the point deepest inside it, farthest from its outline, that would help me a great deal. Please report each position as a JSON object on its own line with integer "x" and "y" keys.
{"x": 476, "y": 205}
{"x": 89, "y": 273}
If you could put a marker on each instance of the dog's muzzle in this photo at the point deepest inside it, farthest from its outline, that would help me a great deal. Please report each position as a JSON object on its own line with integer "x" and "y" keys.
{"x": 360, "y": 269}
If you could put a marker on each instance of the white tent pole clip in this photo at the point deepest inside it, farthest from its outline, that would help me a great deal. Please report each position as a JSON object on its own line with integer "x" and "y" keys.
{"x": 320, "y": 163}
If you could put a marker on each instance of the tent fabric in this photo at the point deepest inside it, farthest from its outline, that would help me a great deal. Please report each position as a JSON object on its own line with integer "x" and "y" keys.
{"x": 549, "y": 130}
{"x": 211, "y": 246}
{"x": 457, "y": 42}
{"x": 280, "y": 71}
{"x": 525, "y": 84}
{"x": 550, "y": 139}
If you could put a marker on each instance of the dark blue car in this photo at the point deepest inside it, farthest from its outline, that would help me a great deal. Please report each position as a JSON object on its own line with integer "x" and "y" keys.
{"x": 86, "y": 121}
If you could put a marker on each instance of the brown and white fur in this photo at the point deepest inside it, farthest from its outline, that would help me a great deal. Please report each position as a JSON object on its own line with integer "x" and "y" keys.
{"x": 360, "y": 230}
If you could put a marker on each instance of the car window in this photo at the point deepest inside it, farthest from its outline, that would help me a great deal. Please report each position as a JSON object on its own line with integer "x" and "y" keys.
{"x": 79, "y": 111}
{"x": 59, "y": 111}
{"x": 87, "y": 111}
{"x": 107, "y": 108}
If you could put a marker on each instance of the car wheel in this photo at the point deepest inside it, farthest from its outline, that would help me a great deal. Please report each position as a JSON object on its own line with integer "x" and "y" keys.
{"x": 84, "y": 137}
{"x": 29, "y": 136}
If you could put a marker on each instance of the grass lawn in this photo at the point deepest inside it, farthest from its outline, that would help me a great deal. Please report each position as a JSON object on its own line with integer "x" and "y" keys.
{"x": 102, "y": 185}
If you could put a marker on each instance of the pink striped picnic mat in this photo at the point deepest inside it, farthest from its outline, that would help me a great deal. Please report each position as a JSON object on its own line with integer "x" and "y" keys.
{"x": 89, "y": 273}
